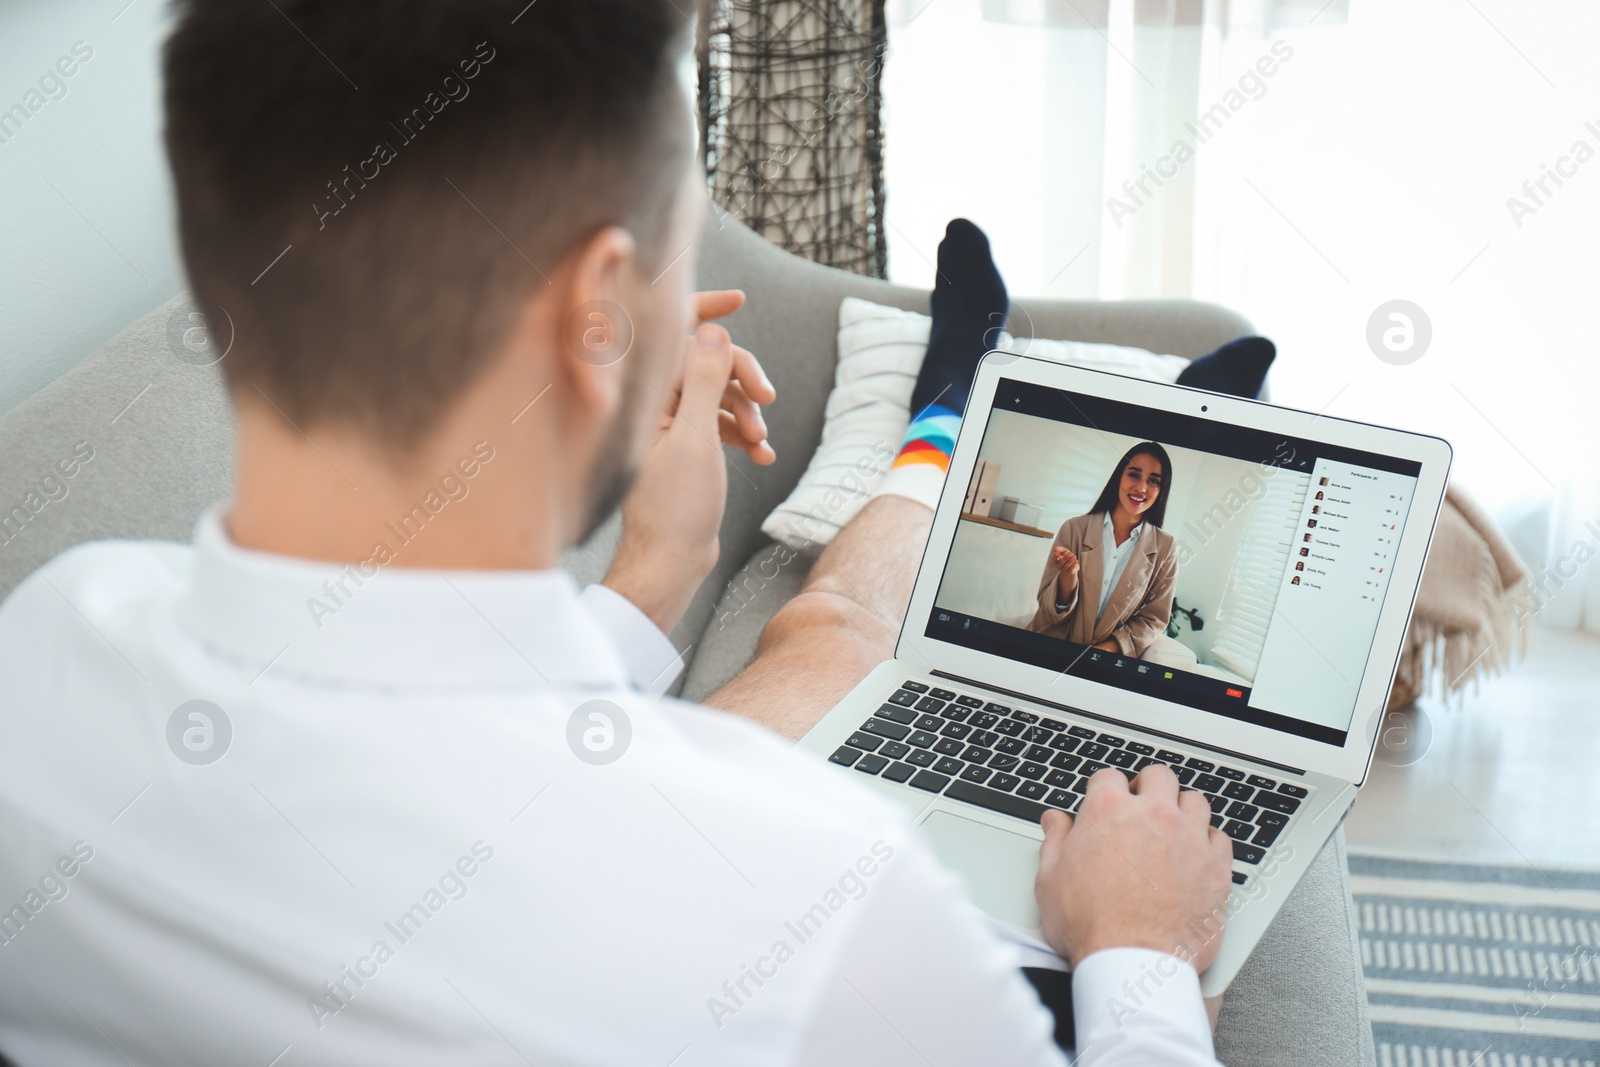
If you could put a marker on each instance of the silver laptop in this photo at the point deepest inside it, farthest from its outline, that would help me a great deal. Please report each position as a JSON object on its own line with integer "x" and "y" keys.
{"x": 1298, "y": 542}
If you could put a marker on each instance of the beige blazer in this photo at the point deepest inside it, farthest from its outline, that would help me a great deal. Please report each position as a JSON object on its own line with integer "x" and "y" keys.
{"x": 1140, "y": 603}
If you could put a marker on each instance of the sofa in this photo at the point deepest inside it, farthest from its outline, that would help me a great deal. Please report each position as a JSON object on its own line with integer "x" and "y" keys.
{"x": 149, "y": 411}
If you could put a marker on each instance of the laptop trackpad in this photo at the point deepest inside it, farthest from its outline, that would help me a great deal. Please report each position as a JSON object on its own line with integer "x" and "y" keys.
{"x": 997, "y": 866}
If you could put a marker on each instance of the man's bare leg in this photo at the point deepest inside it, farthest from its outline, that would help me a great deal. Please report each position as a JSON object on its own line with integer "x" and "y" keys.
{"x": 841, "y": 624}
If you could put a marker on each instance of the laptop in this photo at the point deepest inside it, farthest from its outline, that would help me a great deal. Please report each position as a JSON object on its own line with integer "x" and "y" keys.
{"x": 1298, "y": 542}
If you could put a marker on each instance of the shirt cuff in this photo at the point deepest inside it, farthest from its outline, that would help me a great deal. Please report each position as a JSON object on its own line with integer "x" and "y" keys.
{"x": 649, "y": 657}
{"x": 1133, "y": 1001}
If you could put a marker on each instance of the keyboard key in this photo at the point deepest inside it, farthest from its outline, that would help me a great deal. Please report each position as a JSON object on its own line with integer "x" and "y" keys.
{"x": 1031, "y": 770}
{"x": 1111, "y": 740}
{"x": 974, "y": 754}
{"x": 1052, "y": 724}
{"x": 930, "y": 781}
{"x": 892, "y": 730}
{"x": 1024, "y": 716}
{"x": 986, "y": 738}
{"x": 1010, "y": 727}
{"x": 1033, "y": 790}
{"x": 1004, "y": 803}
{"x": 983, "y": 720}
{"x": 1239, "y": 831}
{"x": 1066, "y": 761}
{"x": 1064, "y": 742}
{"x": 904, "y": 697}
{"x": 1208, "y": 783}
{"x": 1199, "y": 764}
{"x": 1242, "y": 811}
{"x": 1122, "y": 758}
{"x": 997, "y": 709}
{"x": 1081, "y": 786}
{"x": 920, "y": 739}
{"x": 1038, "y": 753}
{"x": 1038, "y": 735}
{"x": 894, "y": 750}
{"x": 949, "y": 747}
{"x": 1266, "y": 835}
{"x": 1141, "y": 749}
{"x": 976, "y": 774}
{"x": 1088, "y": 769}
{"x": 921, "y": 757}
{"x": 1230, "y": 773}
{"x": 898, "y": 772}
{"x": 1218, "y": 804}
{"x": 1060, "y": 798}
{"x": 896, "y": 714}
{"x": 1166, "y": 755}
{"x": 864, "y": 741}
{"x": 948, "y": 766}
{"x": 942, "y": 694}
{"x": 1271, "y": 818}
{"x": 969, "y": 702}
{"x": 1002, "y": 762}
{"x": 1012, "y": 745}
{"x": 1094, "y": 751}
{"x": 1063, "y": 779}
{"x": 930, "y": 723}
{"x": 1081, "y": 731}
{"x": 1237, "y": 791}
{"x": 1278, "y": 801}
{"x": 1239, "y": 877}
{"x": 930, "y": 705}
{"x": 844, "y": 755}
{"x": 957, "y": 730}
{"x": 955, "y": 713}
{"x": 915, "y": 687}
{"x": 1246, "y": 853}
{"x": 1289, "y": 790}
{"x": 871, "y": 764}
{"x": 1261, "y": 783}
{"x": 1005, "y": 782}
{"x": 1145, "y": 761}
{"x": 1185, "y": 774}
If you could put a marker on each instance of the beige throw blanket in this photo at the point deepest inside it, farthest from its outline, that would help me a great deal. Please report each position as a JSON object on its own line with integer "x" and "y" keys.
{"x": 1467, "y": 621}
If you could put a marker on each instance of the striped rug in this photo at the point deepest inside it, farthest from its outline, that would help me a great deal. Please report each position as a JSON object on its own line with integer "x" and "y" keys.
{"x": 1479, "y": 966}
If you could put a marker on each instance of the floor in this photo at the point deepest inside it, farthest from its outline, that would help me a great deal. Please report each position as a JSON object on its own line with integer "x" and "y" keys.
{"x": 1510, "y": 776}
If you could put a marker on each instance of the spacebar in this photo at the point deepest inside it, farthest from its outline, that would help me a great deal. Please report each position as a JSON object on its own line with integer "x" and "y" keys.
{"x": 994, "y": 800}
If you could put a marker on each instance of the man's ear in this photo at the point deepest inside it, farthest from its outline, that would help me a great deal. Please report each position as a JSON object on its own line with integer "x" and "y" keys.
{"x": 595, "y": 328}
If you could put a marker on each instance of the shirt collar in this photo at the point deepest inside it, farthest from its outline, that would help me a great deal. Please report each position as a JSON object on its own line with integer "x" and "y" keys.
{"x": 387, "y": 626}
{"x": 1111, "y": 533}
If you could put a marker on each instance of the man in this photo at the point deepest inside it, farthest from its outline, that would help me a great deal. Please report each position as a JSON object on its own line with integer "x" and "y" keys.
{"x": 359, "y": 777}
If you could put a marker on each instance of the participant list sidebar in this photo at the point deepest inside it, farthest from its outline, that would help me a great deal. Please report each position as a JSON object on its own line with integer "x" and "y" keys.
{"x": 1330, "y": 596}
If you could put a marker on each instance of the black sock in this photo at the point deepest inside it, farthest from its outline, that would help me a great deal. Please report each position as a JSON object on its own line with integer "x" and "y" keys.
{"x": 969, "y": 309}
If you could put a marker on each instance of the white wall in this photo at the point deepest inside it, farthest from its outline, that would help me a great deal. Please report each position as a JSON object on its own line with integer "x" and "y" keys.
{"x": 86, "y": 226}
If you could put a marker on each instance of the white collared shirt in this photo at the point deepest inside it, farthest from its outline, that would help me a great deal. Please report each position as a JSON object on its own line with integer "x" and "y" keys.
{"x": 396, "y": 843}
{"x": 1116, "y": 559}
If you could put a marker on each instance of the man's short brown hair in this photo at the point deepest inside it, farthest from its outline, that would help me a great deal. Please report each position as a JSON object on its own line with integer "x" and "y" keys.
{"x": 368, "y": 191}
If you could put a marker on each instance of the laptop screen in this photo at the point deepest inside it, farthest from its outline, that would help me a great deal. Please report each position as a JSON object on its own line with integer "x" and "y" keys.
{"x": 1226, "y": 568}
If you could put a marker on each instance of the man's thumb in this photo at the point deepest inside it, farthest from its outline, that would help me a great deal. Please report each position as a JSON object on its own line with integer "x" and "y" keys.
{"x": 705, "y": 376}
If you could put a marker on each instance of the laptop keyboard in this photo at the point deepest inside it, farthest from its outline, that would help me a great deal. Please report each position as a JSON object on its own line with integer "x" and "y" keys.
{"x": 1018, "y": 763}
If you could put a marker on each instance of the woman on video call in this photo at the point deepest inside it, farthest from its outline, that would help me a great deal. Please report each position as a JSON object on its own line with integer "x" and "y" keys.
{"x": 1111, "y": 574}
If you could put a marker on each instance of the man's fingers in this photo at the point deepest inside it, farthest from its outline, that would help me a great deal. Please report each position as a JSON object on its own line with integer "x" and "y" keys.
{"x": 1105, "y": 778}
{"x": 705, "y": 376}
{"x": 760, "y": 452}
{"x": 752, "y": 427}
{"x": 748, "y": 372}
{"x": 715, "y": 303}
{"x": 1057, "y": 825}
{"x": 1194, "y": 807}
{"x": 1156, "y": 780}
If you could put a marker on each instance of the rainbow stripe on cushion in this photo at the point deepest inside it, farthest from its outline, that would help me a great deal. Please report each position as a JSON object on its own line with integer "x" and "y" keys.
{"x": 919, "y": 468}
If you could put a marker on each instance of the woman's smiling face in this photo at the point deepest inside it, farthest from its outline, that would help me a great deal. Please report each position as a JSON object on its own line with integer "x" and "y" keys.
{"x": 1141, "y": 483}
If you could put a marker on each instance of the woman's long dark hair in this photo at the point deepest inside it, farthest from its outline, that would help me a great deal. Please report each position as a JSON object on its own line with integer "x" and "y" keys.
{"x": 1108, "y": 495}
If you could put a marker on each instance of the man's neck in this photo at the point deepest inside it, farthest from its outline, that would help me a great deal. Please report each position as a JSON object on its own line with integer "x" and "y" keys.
{"x": 468, "y": 503}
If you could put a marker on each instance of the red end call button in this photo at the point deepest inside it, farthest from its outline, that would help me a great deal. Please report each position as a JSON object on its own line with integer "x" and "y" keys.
{"x": 1236, "y": 692}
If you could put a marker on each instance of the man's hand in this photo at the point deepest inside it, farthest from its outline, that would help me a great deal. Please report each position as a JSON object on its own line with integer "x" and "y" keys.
{"x": 1142, "y": 869}
{"x": 1067, "y": 564}
{"x": 671, "y": 516}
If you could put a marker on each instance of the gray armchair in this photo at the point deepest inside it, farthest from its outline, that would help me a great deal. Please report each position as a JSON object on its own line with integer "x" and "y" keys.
{"x": 160, "y": 432}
